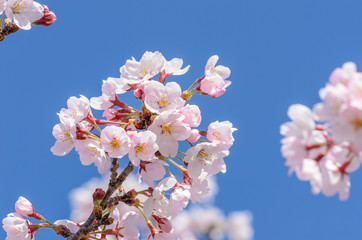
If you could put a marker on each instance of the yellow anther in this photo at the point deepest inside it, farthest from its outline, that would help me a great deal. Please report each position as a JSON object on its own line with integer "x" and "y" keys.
{"x": 142, "y": 148}
{"x": 167, "y": 129}
{"x": 65, "y": 136}
{"x": 92, "y": 151}
{"x": 143, "y": 70}
{"x": 116, "y": 143}
{"x": 217, "y": 134}
{"x": 163, "y": 101}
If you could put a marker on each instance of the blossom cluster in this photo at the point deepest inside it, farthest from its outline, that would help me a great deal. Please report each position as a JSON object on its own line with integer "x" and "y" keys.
{"x": 194, "y": 223}
{"x": 324, "y": 145}
{"x": 150, "y": 137}
{"x": 21, "y": 14}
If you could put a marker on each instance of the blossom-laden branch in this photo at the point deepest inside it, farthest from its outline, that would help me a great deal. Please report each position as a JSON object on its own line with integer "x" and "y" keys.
{"x": 150, "y": 138}
{"x": 21, "y": 14}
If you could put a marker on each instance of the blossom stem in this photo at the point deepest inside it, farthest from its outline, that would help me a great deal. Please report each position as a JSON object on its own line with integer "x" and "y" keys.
{"x": 182, "y": 169}
{"x": 44, "y": 220}
{"x": 139, "y": 209}
{"x": 180, "y": 159}
{"x": 168, "y": 170}
{"x": 1, "y": 21}
{"x": 182, "y": 153}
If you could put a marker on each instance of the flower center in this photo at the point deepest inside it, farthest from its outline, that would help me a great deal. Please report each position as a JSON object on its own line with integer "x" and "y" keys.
{"x": 204, "y": 157}
{"x": 116, "y": 143}
{"x": 217, "y": 134}
{"x": 142, "y": 148}
{"x": 92, "y": 151}
{"x": 167, "y": 129}
{"x": 20, "y": 6}
{"x": 65, "y": 136}
{"x": 143, "y": 70}
{"x": 163, "y": 101}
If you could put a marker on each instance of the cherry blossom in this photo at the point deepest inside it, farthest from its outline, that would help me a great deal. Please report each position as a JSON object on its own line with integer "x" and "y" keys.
{"x": 65, "y": 133}
{"x": 169, "y": 129}
{"x": 143, "y": 146}
{"x": 160, "y": 98}
{"x": 115, "y": 141}
{"x": 173, "y": 67}
{"x": 91, "y": 151}
{"x": 24, "y": 12}
{"x": 110, "y": 89}
{"x": 215, "y": 82}
{"x": 151, "y": 64}
{"x": 206, "y": 157}
{"x": 221, "y": 132}
{"x": 151, "y": 171}
{"x": 16, "y": 227}
{"x": 192, "y": 115}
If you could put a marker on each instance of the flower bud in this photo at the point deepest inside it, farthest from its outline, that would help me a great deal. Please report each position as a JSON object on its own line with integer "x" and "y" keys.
{"x": 98, "y": 195}
{"x": 23, "y": 207}
{"x": 48, "y": 18}
{"x": 163, "y": 223}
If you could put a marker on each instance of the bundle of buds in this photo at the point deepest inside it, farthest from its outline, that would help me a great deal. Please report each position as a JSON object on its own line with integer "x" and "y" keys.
{"x": 324, "y": 145}
{"x": 150, "y": 138}
{"x": 21, "y": 14}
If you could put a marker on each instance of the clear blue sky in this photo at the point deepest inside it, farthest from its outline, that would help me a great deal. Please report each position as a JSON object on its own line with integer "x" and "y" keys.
{"x": 280, "y": 52}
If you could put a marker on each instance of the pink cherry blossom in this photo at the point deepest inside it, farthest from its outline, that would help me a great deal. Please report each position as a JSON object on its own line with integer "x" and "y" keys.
{"x": 220, "y": 70}
{"x": 151, "y": 64}
{"x": 110, "y": 89}
{"x": 173, "y": 67}
{"x": 115, "y": 141}
{"x": 158, "y": 203}
{"x": 215, "y": 82}
{"x": 344, "y": 75}
{"x": 151, "y": 171}
{"x": 179, "y": 198}
{"x": 126, "y": 224}
{"x": 160, "y": 98}
{"x": 17, "y": 227}
{"x": 207, "y": 157}
{"x": 192, "y": 115}
{"x": 23, "y": 12}
{"x": 214, "y": 85}
{"x": 91, "y": 151}
{"x": 65, "y": 134}
{"x": 24, "y": 207}
{"x": 169, "y": 128}
{"x": 143, "y": 146}
{"x": 221, "y": 132}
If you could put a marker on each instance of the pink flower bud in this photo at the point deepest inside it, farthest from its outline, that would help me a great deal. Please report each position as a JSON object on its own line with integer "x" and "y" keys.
{"x": 163, "y": 223}
{"x": 48, "y": 18}
{"x": 23, "y": 207}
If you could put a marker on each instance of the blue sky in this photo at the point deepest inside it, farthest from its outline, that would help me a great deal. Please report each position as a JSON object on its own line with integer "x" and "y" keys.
{"x": 280, "y": 52}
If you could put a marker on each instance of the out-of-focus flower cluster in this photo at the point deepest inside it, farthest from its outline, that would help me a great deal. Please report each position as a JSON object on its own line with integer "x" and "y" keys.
{"x": 206, "y": 222}
{"x": 324, "y": 145}
{"x": 21, "y": 14}
{"x": 171, "y": 177}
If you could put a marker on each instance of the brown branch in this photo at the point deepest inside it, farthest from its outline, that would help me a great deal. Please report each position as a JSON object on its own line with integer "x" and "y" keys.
{"x": 85, "y": 229}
